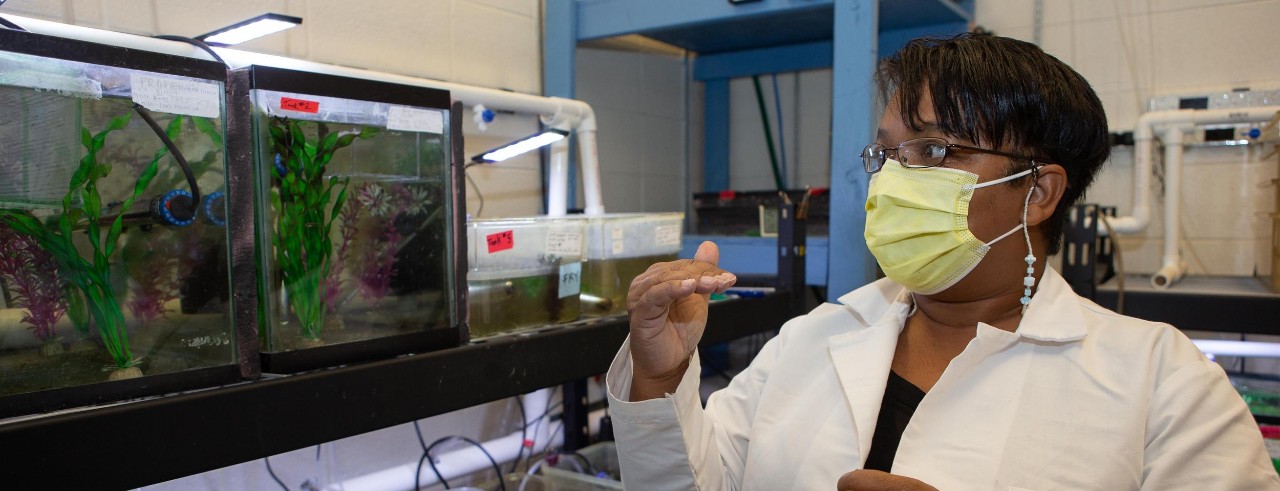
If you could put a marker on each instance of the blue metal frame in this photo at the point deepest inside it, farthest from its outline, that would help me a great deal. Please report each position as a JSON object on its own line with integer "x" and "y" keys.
{"x": 607, "y": 18}
{"x": 862, "y": 29}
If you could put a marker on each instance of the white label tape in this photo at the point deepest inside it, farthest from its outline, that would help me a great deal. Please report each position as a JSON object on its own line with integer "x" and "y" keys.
{"x": 176, "y": 96}
{"x": 667, "y": 235}
{"x": 565, "y": 244}
{"x": 616, "y": 239}
{"x": 400, "y": 118}
{"x": 570, "y": 279}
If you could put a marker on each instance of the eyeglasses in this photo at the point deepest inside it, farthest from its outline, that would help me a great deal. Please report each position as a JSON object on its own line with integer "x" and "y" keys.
{"x": 920, "y": 153}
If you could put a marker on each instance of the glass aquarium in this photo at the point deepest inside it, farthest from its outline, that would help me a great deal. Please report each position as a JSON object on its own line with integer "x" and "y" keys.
{"x": 523, "y": 273}
{"x": 356, "y": 219}
{"x": 619, "y": 247}
{"x": 113, "y": 240}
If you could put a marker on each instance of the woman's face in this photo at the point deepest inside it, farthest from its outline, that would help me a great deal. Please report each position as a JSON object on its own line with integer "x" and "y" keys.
{"x": 993, "y": 210}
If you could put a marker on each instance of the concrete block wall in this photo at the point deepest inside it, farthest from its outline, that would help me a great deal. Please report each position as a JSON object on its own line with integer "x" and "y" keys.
{"x": 488, "y": 43}
{"x": 639, "y": 95}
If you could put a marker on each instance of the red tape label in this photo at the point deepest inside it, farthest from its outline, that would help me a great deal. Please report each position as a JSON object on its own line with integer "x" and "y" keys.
{"x": 500, "y": 241}
{"x": 300, "y": 105}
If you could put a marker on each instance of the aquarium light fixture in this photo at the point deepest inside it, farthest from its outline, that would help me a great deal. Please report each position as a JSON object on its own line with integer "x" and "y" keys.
{"x": 254, "y": 28}
{"x": 527, "y": 144}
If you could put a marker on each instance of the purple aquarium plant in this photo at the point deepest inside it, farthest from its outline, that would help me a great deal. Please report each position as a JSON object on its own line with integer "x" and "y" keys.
{"x": 34, "y": 281}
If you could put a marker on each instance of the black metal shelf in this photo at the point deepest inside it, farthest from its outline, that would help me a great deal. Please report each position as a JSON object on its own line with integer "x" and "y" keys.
{"x": 159, "y": 439}
{"x": 1201, "y": 303}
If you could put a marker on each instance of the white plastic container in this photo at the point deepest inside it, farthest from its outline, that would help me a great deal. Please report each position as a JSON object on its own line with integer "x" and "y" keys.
{"x": 523, "y": 273}
{"x": 618, "y": 248}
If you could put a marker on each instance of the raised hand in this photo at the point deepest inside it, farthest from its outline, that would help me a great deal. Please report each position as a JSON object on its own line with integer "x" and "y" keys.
{"x": 668, "y": 306}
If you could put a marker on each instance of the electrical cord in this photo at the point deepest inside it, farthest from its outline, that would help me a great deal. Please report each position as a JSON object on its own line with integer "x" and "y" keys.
{"x": 7, "y": 24}
{"x": 273, "y": 474}
{"x": 782, "y": 139}
{"x": 1115, "y": 246}
{"x": 501, "y": 484}
{"x": 417, "y": 476}
{"x": 194, "y": 42}
{"x": 475, "y": 186}
{"x": 768, "y": 134}
{"x": 524, "y": 434}
{"x": 177, "y": 155}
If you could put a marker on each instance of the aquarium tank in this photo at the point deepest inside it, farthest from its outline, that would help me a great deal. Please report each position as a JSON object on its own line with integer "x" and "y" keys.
{"x": 620, "y": 246}
{"x": 356, "y": 217}
{"x": 523, "y": 273}
{"x": 114, "y": 272}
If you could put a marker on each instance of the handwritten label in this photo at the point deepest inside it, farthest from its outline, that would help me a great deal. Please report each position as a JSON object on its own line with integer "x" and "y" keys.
{"x": 299, "y": 105}
{"x": 564, "y": 243}
{"x": 500, "y": 241}
{"x": 570, "y": 279}
{"x": 616, "y": 239}
{"x": 400, "y": 118}
{"x": 666, "y": 235}
{"x": 175, "y": 96}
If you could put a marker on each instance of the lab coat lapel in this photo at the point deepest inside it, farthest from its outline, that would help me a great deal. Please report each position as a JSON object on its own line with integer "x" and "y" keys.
{"x": 862, "y": 359}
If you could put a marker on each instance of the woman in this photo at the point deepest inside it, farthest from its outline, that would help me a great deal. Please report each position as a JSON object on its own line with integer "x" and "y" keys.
{"x": 972, "y": 365}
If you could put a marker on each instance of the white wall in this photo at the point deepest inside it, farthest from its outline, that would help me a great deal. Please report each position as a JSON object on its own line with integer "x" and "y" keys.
{"x": 1131, "y": 50}
{"x": 638, "y": 93}
{"x": 805, "y": 131}
{"x": 488, "y": 43}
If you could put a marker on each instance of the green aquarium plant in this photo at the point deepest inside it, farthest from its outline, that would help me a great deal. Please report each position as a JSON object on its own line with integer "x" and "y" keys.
{"x": 306, "y": 207}
{"x": 90, "y": 277}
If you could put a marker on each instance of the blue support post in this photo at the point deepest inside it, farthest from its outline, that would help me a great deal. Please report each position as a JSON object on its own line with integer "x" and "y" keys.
{"x": 715, "y": 147}
{"x": 559, "y": 48}
{"x": 850, "y": 264}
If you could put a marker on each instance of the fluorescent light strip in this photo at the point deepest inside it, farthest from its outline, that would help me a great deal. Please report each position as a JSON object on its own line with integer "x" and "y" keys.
{"x": 526, "y": 145}
{"x": 249, "y": 32}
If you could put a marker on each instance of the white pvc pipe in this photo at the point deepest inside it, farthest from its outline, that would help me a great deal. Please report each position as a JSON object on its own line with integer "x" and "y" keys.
{"x": 1144, "y": 138}
{"x": 558, "y": 179}
{"x": 555, "y": 112}
{"x": 1173, "y": 124}
{"x": 1172, "y": 267}
{"x": 590, "y": 172}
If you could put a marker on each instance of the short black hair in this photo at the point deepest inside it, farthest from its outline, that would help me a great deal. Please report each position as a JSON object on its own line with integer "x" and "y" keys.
{"x": 1005, "y": 93}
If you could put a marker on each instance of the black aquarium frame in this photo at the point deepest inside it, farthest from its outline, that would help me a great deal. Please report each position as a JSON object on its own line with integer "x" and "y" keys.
{"x": 241, "y": 366}
{"x": 261, "y": 77}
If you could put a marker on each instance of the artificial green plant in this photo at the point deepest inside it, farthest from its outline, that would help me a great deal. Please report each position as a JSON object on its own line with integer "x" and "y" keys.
{"x": 90, "y": 278}
{"x": 305, "y": 209}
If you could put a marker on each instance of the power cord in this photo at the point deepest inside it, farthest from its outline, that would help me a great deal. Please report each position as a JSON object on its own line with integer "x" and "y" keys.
{"x": 273, "y": 474}
{"x": 194, "y": 42}
{"x": 1115, "y": 246}
{"x": 475, "y": 186}
{"x": 502, "y": 485}
{"x": 524, "y": 434}
{"x": 7, "y": 24}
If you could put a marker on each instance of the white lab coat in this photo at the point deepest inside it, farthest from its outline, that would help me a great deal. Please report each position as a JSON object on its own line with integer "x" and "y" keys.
{"x": 1078, "y": 398}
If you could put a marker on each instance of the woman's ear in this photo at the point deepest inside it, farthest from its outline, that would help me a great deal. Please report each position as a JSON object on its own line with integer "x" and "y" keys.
{"x": 1050, "y": 185}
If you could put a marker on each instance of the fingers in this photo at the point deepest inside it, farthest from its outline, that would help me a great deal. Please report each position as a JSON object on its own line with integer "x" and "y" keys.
{"x": 655, "y": 300}
{"x": 869, "y": 480}
{"x": 708, "y": 252}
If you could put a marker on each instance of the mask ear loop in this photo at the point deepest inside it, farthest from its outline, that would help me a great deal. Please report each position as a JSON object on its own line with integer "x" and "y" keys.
{"x": 1030, "y": 280}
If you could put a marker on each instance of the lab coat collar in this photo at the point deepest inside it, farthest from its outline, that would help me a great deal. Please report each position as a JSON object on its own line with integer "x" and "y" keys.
{"x": 1054, "y": 314}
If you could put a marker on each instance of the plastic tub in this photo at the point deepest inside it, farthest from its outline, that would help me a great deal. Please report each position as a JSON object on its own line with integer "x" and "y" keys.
{"x": 619, "y": 247}
{"x": 523, "y": 273}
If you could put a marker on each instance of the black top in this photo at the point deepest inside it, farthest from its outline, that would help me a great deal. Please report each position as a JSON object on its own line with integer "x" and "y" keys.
{"x": 900, "y": 401}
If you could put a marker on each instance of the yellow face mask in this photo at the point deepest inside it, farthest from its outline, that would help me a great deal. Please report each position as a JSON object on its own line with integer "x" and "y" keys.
{"x": 918, "y": 225}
